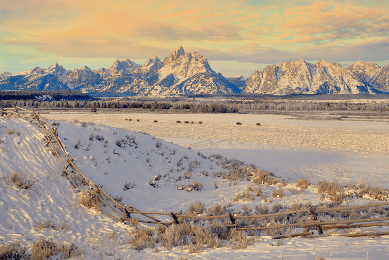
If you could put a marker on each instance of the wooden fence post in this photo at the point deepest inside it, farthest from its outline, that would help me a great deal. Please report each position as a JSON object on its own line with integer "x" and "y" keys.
{"x": 311, "y": 211}
{"x": 232, "y": 219}
{"x": 175, "y": 219}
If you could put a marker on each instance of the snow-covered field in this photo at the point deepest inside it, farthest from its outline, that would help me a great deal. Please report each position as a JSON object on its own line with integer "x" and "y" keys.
{"x": 343, "y": 151}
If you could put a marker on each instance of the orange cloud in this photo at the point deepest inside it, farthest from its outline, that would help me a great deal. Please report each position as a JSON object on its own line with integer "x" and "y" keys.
{"x": 131, "y": 28}
{"x": 334, "y": 20}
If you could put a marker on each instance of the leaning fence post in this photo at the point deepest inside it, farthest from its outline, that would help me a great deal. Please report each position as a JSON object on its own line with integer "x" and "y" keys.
{"x": 127, "y": 213}
{"x": 175, "y": 219}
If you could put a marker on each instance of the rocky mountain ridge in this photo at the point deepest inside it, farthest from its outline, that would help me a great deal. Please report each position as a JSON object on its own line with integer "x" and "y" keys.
{"x": 300, "y": 77}
{"x": 190, "y": 73}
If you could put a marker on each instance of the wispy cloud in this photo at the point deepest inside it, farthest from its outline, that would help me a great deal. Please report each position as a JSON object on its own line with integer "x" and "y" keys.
{"x": 255, "y": 31}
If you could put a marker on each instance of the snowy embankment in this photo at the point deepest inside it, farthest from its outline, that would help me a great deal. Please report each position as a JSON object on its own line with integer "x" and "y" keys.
{"x": 113, "y": 157}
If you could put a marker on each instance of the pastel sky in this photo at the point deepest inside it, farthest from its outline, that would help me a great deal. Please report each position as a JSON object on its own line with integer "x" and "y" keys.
{"x": 236, "y": 36}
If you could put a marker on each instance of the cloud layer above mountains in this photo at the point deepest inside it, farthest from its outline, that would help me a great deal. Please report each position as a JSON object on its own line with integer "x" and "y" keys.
{"x": 256, "y": 31}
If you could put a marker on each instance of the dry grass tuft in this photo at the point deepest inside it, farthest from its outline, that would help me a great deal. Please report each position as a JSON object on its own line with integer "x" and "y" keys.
{"x": 10, "y": 131}
{"x": 66, "y": 251}
{"x": 330, "y": 188}
{"x": 303, "y": 183}
{"x": 262, "y": 177}
{"x": 278, "y": 193}
{"x": 12, "y": 251}
{"x": 44, "y": 225}
{"x": 239, "y": 240}
{"x": 21, "y": 181}
{"x": 89, "y": 199}
{"x": 43, "y": 249}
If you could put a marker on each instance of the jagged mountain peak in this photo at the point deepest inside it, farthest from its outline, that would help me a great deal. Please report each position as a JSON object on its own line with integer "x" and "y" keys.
{"x": 54, "y": 66}
{"x": 56, "y": 69}
{"x": 152, "y": 64}
{"x": 185, "y": 66}
{"x": 36, "y": 70}
{"x": 123, "y": 66}
{"x": 5, "y": 74}
{"x": 174, "y": 55}
{"x": 151, "y": 61}
{"x": 86, "y": 68}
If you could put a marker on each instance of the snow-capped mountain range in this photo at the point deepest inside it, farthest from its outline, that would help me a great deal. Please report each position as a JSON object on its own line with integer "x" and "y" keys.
{"x": 300, "y": 77}
{"x": 190, "y": 73}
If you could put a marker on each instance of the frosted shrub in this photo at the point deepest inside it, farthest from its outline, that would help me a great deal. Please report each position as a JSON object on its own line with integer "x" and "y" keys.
{"x": 131, "y": 139}
{"x": 128, "y": 186}
{"x": 197, "y": 208}
{"x": 99, "y": 137}
{"x": 121, "y": 142}
{"x": 44, "y": 225}
{"x": 88, "y": 199}
{"x": 239, "y": 240}
{"x": 21, "y": 181}
{"x": 175, "y": 235}
{"x": 331, "y": 188}
{"x": 43, "y": 249}
{"x": 142, "y": 238}
{"x": 10, "y": 131}
{"x": 77, "y": 144}
{"x": 12, "y": 251}
{"x": 262, "y": 177}
{"x": 68, "y": 250}
{"x": 278, "y": 193}
{"x": 303, "y": 183}
{"x": 196, "y": 186}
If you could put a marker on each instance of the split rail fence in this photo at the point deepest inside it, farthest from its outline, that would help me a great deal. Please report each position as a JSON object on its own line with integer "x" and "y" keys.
{"x": 122, "y": 213}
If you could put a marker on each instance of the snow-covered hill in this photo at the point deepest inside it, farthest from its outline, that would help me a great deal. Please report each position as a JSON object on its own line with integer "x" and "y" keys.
{"x": 113, "y": 157}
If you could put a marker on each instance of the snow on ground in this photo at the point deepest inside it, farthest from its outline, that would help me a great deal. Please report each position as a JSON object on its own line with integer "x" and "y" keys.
{"x": 341, "y": 150}
{"x": 334, "y": 150}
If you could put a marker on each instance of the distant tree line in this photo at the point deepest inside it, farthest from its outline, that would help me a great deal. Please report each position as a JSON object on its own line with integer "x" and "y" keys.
{"x": 204, "y": 106}
{"x": 42, "y": 95}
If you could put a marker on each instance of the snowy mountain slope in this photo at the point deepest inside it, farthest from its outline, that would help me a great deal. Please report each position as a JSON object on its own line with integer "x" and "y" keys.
{"x": 238, "y": 81}
{"x": 366, "y": 71}
{"x": 380, "y": 81}
{"x": 300, "y": 77}
{"x": 204, "y": 83}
